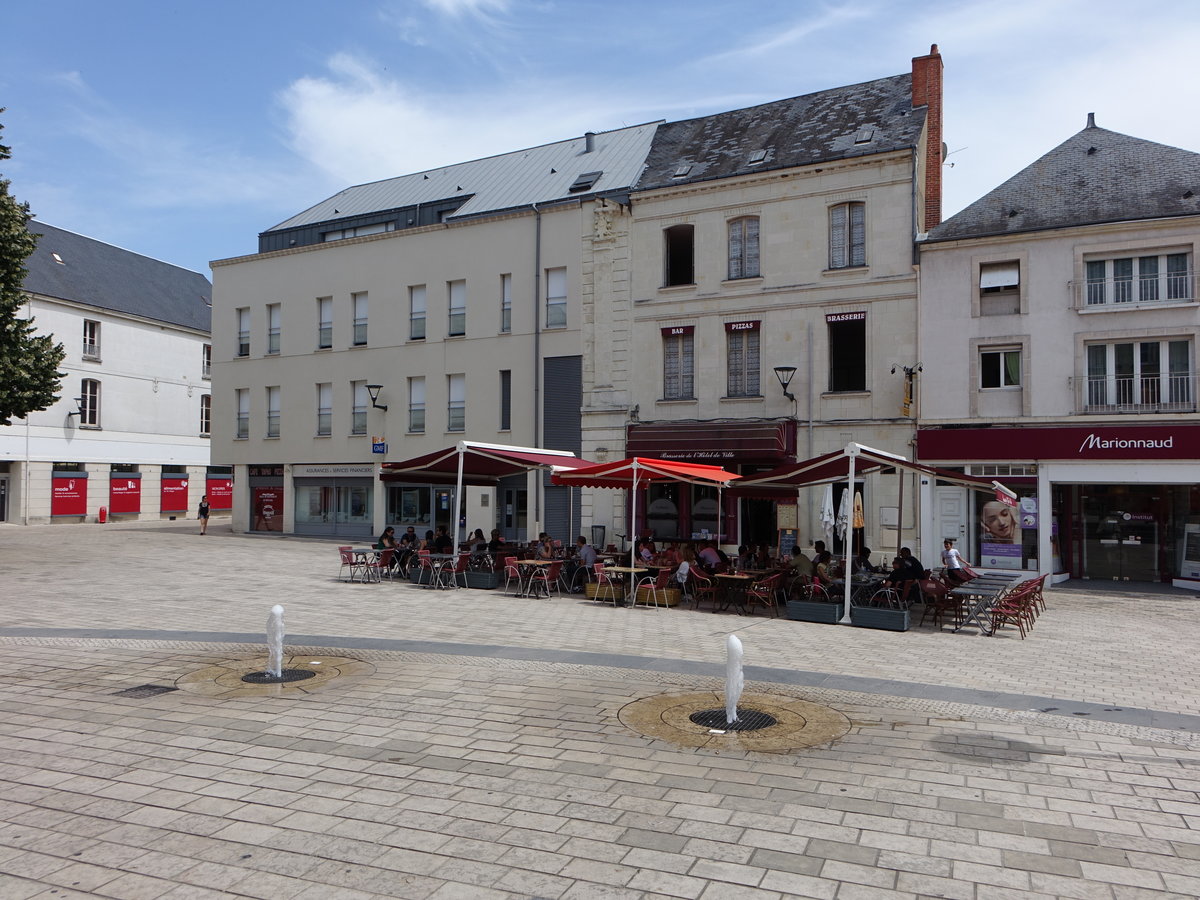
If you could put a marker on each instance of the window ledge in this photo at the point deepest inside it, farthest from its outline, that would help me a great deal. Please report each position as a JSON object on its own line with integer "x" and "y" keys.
{"x": 677, "y": 288}
{"x": 246, "y": 438}
{"x": 856, "y": 393}
{"x": 677, "y": 400}
{"x": 742, "y": 397}
{"x": 206, "y": 378}
{"x": 354, "y": 434}
{"x": 745, "y": 279}
{"x": 322, "y": 350}
{"x": 91, "y": 359}
{"x": 205, "y": 436}
{"x": 845, "y": 270}
{"x": 455, "y": 337}
{"x": 270, "y": 437}
{"x": 1140, "y": 306}
{"x": 90, "y": 427}
{"x": 1003, "y": 389}
{"x": 414, "y": 432}
{"x": 357, "y": 347}
{"x": 413, "y": 340}
{"x": 322, "y": 435}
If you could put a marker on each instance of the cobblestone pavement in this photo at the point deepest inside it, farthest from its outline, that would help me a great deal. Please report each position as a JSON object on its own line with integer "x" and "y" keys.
{"x": 476, "y": 752}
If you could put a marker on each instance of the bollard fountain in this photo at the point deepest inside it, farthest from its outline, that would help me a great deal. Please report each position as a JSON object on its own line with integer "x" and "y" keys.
{"x": 275, "y": 642}
{"x": 734, "y": 679}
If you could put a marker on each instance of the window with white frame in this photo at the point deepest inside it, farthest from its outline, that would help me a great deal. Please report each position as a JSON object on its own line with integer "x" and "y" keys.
{"x": 324, "y": 409}
{"x": 206, "y": 361}
{"x": 243, "y": 335}
{"x": 324, "y": 323}
{"x": 743, "y": 247}
{"x": 741, "y": 340}
{"x": 1140, "y": 376}
{"x": 243, "y": 414}
{"x": 457, "y": 292}
{"x": 679, "y": 251}
{"x": 999, "y": 368}
{"x": 91, "y": 339}
{"x": 416, "y": 405}
{"x": 505, "y": 304}
{"x": 205, "y": 414}
{"x": 1140, "y": 279}
{"x": 273, "y": 326}
{"x": 1000, "y": 288}
{"x": 358, "y": 411}
{"x": 89, "y": 403}
{"x": 456, "y": 407}
{"x": 273, "y": 412}
{"x": 416, "y": 312}
{"x": 360, "y": 318}
{"x": 847, "y": 235}
{"x": 556, "y": 298}
{"x": 679, "y": 364}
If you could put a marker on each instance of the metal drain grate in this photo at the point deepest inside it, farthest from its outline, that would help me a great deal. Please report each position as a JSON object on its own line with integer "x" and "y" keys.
{"x": 285, "y": 676}
{"x": 145, "y": 690}
{"x": 747, "y": 719}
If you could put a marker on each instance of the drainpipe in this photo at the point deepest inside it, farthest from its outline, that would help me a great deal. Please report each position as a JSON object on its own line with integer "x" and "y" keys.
{"x": 537, "y": 361}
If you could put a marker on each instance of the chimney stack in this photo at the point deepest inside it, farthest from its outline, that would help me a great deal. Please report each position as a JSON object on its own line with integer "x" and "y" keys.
{"x": 589, "y": 141}
{"x": 927, "y": 92}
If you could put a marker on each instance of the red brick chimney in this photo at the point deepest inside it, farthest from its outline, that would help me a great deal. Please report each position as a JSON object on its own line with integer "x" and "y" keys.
{"x": 927, "y": 91}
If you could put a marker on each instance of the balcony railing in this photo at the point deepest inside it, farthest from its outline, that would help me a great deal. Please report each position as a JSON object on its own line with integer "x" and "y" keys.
{"x": 1105, "y": 394}
{"x": 1134, "y": 293}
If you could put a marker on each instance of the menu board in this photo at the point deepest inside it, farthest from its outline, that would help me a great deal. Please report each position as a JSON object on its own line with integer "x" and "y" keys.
{"x": 786, "y": 544}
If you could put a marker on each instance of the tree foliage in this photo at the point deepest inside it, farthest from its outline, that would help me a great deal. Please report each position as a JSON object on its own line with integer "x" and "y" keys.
{"x": 29, "y": 376}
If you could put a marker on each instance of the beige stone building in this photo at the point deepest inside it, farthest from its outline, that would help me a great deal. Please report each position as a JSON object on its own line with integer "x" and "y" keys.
{"x": 776, "y": 236}
{"x": 1058, "y": 341}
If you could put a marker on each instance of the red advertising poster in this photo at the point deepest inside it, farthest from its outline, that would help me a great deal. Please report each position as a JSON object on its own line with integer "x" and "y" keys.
{"x": 68, "y": 495}
{"x": 174, "y": 495}
{"x": 124, "y": 494}
{"x": 268, "y": 509}
{"x": 219, "y": 492}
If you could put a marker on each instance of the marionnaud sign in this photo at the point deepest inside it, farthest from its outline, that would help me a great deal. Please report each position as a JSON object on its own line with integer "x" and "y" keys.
{"x": 299, "y": 471}
{"x": 1095, "y": 442}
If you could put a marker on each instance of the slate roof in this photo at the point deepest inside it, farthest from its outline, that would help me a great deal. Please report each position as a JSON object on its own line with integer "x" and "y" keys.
{"x": 820, "y": 127}
{"x": 509, "y": 181}
{"x": 1093, "y": 177}
{"x": 107, "y": 277}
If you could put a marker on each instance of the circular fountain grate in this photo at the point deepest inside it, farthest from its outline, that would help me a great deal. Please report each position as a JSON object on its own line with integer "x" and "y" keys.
{"x": 747, "y": 719}
{"x": 285, "y": 676}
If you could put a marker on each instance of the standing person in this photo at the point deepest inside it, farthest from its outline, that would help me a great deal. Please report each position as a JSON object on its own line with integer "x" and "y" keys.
{"x": 953, "y": 562}
{"x": 202, "y": 514}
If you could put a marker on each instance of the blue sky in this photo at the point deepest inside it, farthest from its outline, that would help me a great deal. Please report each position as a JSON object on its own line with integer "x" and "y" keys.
{"x": 182, "y": 129}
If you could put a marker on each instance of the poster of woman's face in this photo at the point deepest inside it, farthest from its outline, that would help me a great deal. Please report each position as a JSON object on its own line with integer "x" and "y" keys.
{"x": 999, "y": 523}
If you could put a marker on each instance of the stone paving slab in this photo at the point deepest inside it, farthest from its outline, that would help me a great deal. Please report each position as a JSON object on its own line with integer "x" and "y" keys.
{"x": 437, "y": 775}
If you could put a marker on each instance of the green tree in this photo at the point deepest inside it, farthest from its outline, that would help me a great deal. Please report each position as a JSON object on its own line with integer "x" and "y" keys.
{"x": 29, "y": 376}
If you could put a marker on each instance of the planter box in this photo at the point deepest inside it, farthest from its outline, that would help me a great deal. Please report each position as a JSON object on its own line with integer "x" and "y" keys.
{"x": 669, "y": 596}
{"x": 807, "y": 611}
{"x": 887, "y": 619}
{"x": 485, "y": 581}
{"x": 607, "y": 592}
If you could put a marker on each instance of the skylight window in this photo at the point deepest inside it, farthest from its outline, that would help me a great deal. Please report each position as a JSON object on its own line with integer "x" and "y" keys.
{"x": 682, "y": 171}
{"x": 864, "y": 136}
{"x": 757, "y": 156}
{"x": 584, "y": 182}
{"x": 58, "y": 259}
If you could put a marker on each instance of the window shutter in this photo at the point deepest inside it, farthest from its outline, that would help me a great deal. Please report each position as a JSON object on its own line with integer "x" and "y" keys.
{"x": 750, "y": 270}
{"x": 837, "y": 237}
{"x": 858, "y": 234}
{"x": 735, "y": 248}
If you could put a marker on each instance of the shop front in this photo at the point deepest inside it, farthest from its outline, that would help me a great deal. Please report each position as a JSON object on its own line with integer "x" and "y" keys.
{"x": 265, "y": 484}
{"x": 679, "y": 511}
{"x": 334, "y": 499}
{"x": 1106, "y": 502}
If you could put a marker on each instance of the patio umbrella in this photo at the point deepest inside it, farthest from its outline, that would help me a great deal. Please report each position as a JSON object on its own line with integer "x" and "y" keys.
{"x": 636, "y": 471}
{"x": 828, "y": 520}
{"x": 843, "y": 516}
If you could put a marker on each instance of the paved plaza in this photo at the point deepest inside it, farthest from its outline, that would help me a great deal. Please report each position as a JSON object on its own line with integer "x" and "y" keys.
{"x": 464, "y": 744}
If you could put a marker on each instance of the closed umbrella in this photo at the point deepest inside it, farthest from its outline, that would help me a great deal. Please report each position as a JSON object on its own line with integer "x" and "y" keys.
{"x": 828, "y": 520}
{"x": 843, "y": 516}
{"x": 858, "y": 510}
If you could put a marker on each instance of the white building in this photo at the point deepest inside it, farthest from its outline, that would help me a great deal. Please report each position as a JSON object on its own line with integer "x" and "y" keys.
{"x": 1059, "y": 327}
{"x": 130, "y": 432}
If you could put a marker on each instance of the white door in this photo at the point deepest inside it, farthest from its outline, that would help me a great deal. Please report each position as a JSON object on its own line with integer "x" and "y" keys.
{"x": 951, "y": 518}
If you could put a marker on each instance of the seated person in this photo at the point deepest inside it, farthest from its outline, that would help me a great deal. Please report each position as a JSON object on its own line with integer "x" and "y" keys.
{"x": 823, "y": 571}
{"x": 745, "y": 557}
{"x": 762, "y": 559}
{"x": 584, "y": 559}
{"x": 478, "y": 543}
{"x": 801, "y": 564}
{"x": 669, "y": 556}
{"x": 545, "y": 548}
{"x": 387, "y": 541}
{"x": 645, "y": 552}
{"x": 408, "y": 546}
{"x": 442, "y": 542}
{"x": 861, "y": 564}
{"x": 708, "y": 558}
{"x": 911, "y": 563}
{"x": 496, "y": 543}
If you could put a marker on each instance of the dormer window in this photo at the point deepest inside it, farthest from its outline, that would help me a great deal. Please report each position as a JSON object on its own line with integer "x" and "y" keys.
{"x": 584, "y": 182}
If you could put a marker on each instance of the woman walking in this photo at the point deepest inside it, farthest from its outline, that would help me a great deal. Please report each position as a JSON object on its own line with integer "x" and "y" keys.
{"x": 202, "y": 514}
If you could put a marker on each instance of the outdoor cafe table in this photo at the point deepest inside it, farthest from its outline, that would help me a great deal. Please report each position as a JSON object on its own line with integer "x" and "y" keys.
{"x": 627, "y": 573}
{"x": 526, "y": 568}
{"x": 977, "y": 597}
{"x": 733, "y": 591}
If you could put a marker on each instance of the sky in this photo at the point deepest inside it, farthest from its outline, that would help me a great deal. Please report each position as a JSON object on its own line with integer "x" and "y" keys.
{"x": 180, "y": 130}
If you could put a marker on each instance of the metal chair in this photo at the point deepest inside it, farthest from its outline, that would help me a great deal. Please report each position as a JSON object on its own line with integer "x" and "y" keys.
{"x": 511, "y": 572}
{"x": 374, "y": 568}
{"x": 606, "y": 588}
{"x": 544, "y": 579}
{"x": 765, "y": 592}
{"x": 655, "y": 586}
{"x": 702, "y": 587}
{"x": 453, "y": 573}
{"x": 349, "y": 561}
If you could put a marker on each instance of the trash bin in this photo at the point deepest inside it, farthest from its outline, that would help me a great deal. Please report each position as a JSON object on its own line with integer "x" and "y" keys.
{"x": 103, "y": 517}
{"x": 598, "y": 536}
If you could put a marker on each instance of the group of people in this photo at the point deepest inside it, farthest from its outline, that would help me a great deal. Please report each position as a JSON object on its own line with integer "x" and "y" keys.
{"x": 406, "y": 547}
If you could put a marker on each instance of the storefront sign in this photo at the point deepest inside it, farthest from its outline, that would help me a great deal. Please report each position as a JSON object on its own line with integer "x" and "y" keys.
{"x": 714, "y": 442}
{"x": 1004, "y": 498}
{"x": 678, "y": 330}
{"x": 846, "y": 317}
{"x": 265, "y": 471}
{"x": 174, "y": 494}
{"x": 124, "y": 494}
{"x": 1087, "y": 443}
{"x": 1000, "y": 556}
{"x": 68, "y": 494}
{"x": 268, "y": 509}
{"x": 743, "y": 326}
{"x": 219, "y": 492}
{"x": 333, "y": 470}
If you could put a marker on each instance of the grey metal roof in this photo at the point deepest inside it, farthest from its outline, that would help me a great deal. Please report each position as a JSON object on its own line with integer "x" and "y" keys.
{"x": 855, "y": 120}
{"x": 534, "y": 175}
{"x": 1093, "y": 177}
{"x": 107, "y": 277}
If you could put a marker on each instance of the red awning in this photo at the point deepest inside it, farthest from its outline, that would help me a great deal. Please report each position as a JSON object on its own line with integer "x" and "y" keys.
{"x": 483, "y": 465}
{"x": 642, "y": 470}
{"x": 832, "y": 467}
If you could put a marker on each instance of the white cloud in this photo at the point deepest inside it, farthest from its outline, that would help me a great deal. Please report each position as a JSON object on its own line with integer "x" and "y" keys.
{"x": 460, "y": 8}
